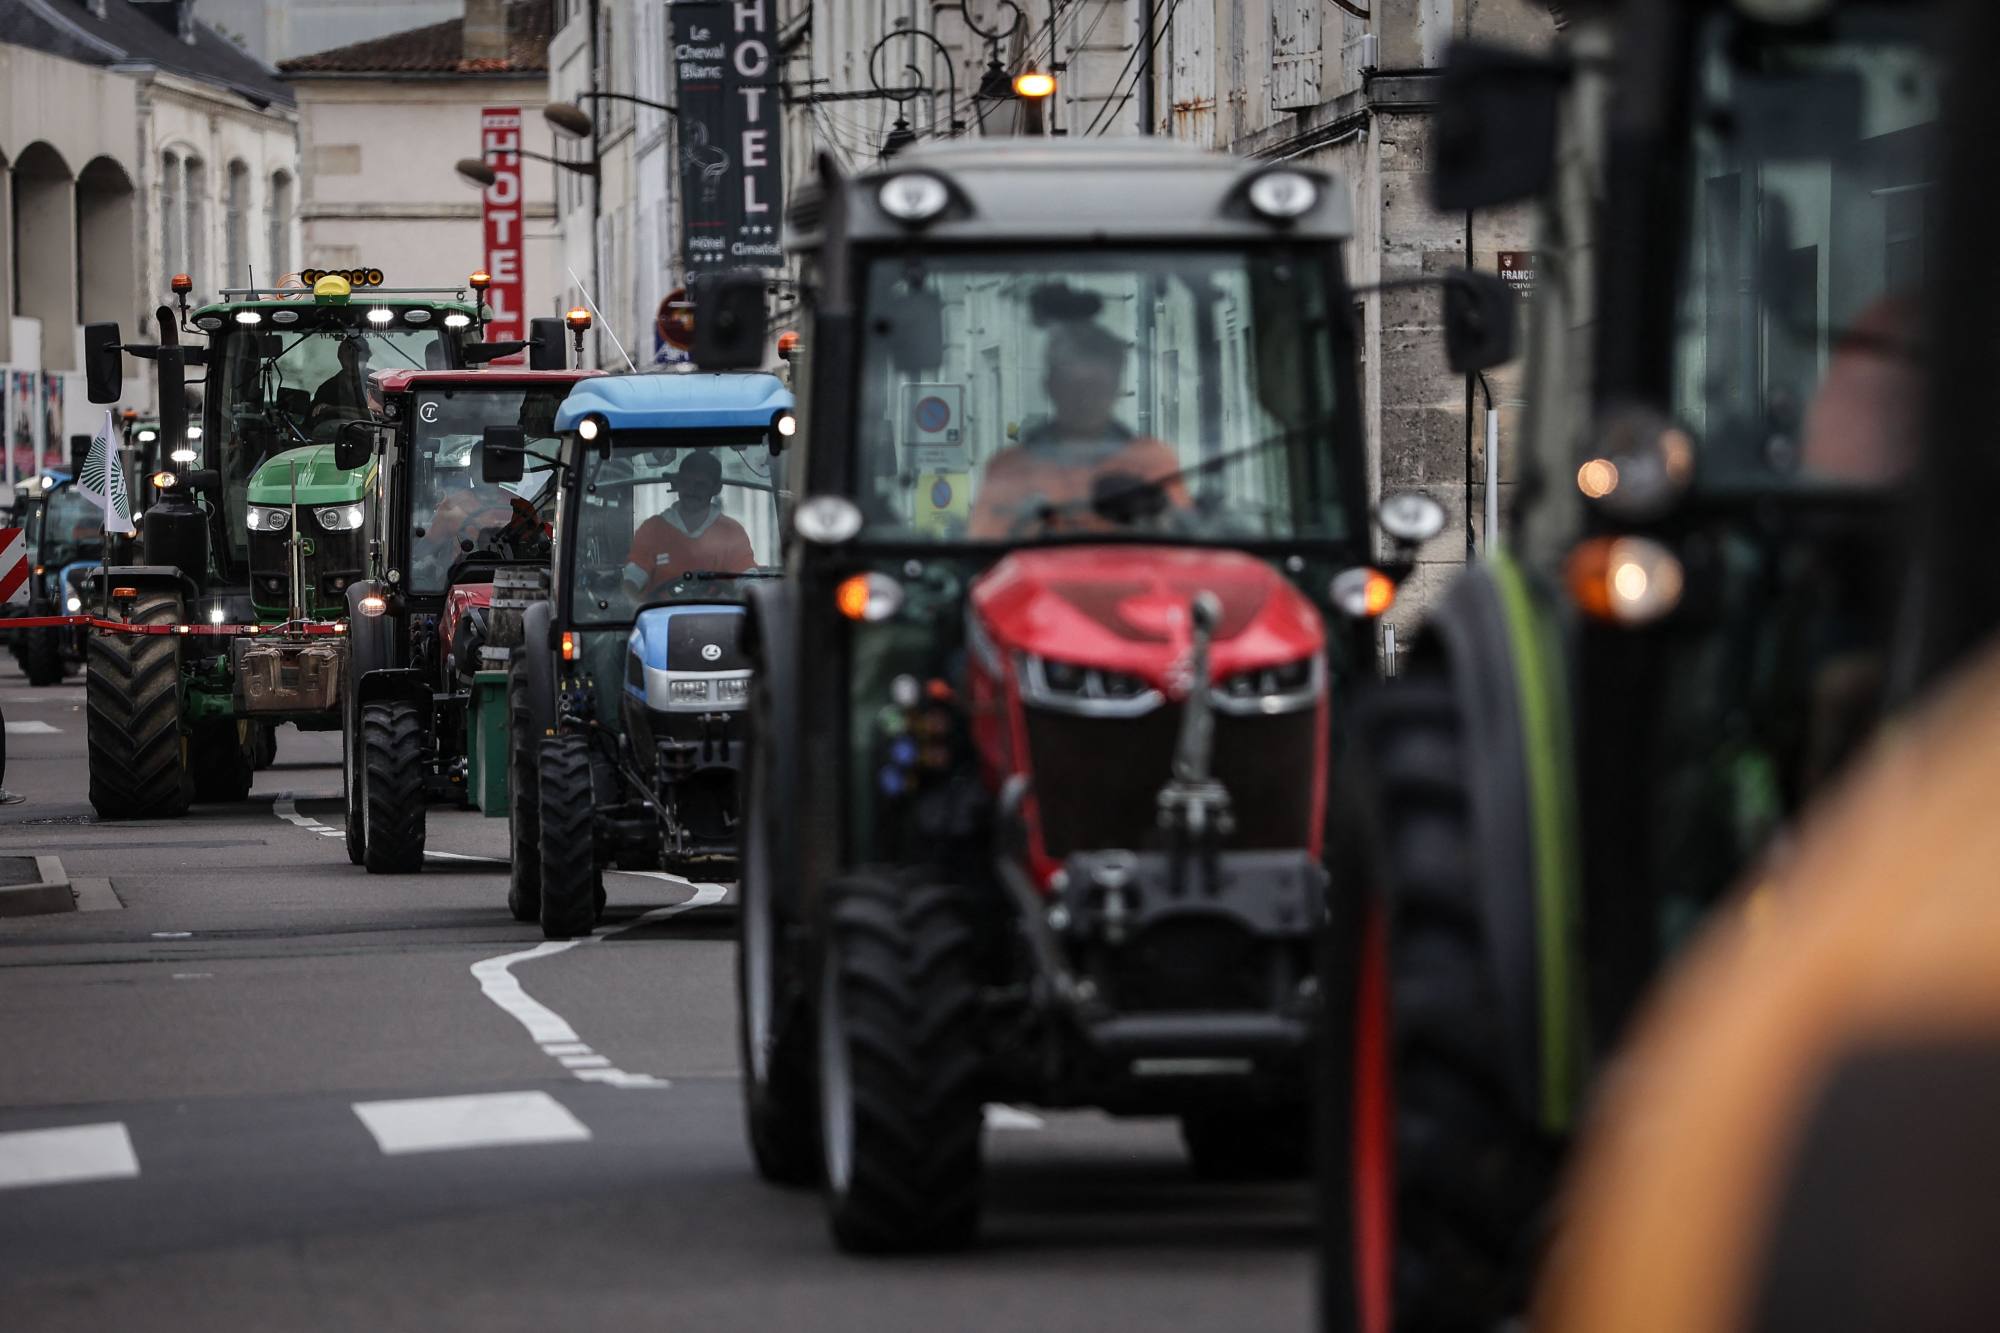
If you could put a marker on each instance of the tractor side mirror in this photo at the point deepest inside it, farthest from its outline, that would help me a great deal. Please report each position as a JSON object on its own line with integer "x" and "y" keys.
{"x": 503, "y": 454}
{"x": 103, "y": 364}
{"x": 1479, "y": 320}
{"x": 731, "y": 318}
{"x": 916, "y": 332}
{"x": 1493, "y": 139}
{"x": 79, "y": 453}
{"x": 478, "y": 354}
{"x": 545, "y": 344}
{"x": 356, "y": 445}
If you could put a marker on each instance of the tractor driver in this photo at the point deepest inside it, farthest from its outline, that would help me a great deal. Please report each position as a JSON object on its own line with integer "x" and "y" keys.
{"x": 488, "y": 516}
{"x": 1048, "y": 478}
{"x": 691, "y": 534}
{"x": 345, "y": 392}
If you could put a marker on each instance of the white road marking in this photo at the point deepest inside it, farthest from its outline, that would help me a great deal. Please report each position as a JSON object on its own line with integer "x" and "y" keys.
{"x": 464, "y": 856}
{"x": 482, "y": 1120}
{"x": 173, "y": 934}
{"x": 1008, "y": 1117}
{"x": 67, "y": 1155}
{"x": 31, "y": 729}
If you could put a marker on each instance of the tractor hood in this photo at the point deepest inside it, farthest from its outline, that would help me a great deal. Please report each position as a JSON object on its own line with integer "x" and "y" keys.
{"x": 320, "y": 482}
{"x": 1126, "y": 609}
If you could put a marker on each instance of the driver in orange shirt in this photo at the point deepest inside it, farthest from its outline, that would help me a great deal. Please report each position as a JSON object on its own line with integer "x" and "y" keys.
{"x": 479, "y": 508}
{"x": 691, "y": 534}
{"x": 1045, "y": 482}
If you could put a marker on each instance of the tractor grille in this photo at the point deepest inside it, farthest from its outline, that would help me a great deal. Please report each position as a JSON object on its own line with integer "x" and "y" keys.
{"x": 1097, "y": 780}
{"x": 336, "y": 561}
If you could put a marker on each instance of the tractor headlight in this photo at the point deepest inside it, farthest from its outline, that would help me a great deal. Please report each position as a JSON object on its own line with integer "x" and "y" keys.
{"x": 733, "y": 690}
{"x": 75, "y": 604}
{"x": 339, "y": 518}
{"x": 590, "y": 428}
{"x": 1263, "y": 691}
{"x": 268, "y": 518}
{"x": 1283, "y": 195}
{"x": 914, "y": 196}
{"x": 1090, "y": 691}
{"x": 687, "y": 691}
{"x": 148, "y": 436}
{"x": 184, "y": 455}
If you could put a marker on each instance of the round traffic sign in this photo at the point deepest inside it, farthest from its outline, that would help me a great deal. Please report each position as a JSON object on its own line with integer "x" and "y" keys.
{"x": 933, "y": 414}
{"x": 675, "y": 320}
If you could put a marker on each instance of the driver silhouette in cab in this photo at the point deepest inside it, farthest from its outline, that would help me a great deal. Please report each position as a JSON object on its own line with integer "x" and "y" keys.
{"x": 1045, "y": 483}
{"x": 690, "y": 534}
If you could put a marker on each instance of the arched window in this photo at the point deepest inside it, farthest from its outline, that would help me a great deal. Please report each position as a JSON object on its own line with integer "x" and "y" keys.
{"x": 236, "y": 227}
{"x": 173, "y": 216}
{"x": 278, "y": 214}
{"x": 197, "y": 223}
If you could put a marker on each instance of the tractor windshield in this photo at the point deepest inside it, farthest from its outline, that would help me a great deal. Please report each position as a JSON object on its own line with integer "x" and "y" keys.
{"x": 658, "y": 521}
{"x": 1026, "y": 396}
{"x": 453, "y": 510}
{"x": 274, "y": 387}
{"x": 71, "y": 528}
{"x": 1810, "y": 223}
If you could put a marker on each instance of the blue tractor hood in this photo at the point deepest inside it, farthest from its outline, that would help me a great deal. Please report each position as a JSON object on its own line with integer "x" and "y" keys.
{"x": 699, "y": 640}
{"x": 677, "y": 402}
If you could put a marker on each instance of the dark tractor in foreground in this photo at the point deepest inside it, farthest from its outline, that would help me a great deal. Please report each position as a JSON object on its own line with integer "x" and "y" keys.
{"x": 452, "y": 562}
{"x": 63, "y": 532}
{"x": 1603, "y": 728}
{"x": 1081, "y": 571}
{"x": 625, "y": 722}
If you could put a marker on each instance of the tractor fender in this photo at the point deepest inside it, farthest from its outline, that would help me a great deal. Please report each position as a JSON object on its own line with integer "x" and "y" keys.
{"x": 371, "y": 640}
{"x": 385, "y": 683}
{"x": 1496, "y": 638}
{"x": 537, "y": 659}
{"x": 168, "y": 578}
{"x": 770, "y": 640}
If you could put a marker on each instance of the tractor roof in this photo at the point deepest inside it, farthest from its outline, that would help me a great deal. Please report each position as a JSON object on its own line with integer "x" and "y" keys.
{"x": 401, "y": 381}
{"x": 677, "y": 401}
{"x": 1143, "y": 190}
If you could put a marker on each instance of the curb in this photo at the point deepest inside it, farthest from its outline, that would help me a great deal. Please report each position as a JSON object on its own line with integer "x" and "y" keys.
{"x": 56, "y": 892}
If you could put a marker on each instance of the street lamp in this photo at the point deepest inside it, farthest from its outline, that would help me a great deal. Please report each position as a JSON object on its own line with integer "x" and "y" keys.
{"x": 573, "y": 122}
{"x": 474, "y": 171}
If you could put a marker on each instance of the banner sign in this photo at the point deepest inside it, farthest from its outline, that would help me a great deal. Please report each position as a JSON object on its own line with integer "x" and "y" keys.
{"x": 504, "y": 211}
{"x": 726, "y": 66}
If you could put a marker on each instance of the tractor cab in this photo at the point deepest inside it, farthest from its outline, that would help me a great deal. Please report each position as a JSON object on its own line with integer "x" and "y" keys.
{"x": 63, "y": 532}
{"x": 451, "y": 558}
{"x": 1083, "y": 566}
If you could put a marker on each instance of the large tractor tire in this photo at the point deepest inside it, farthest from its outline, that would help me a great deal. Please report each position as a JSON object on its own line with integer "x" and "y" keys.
{"x": 524, "y": 823}
{"x": 219, "y": 752}
{"x": 1249, "y": 1142}
{"x": 572, "y": 884}
{"x": 1462, "y": 1174}
{"x": 264, "y": 744}
{"x": 773, "y": 1018}
{"x": 132, "y": 697}
{"x": 392, "y": 787}
{"x": 901, "y": 1117}
{"x": 42, "y": 656}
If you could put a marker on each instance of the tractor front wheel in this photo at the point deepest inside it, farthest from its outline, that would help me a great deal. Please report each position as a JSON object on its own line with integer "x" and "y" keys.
{"x": 572, "y": 885}
{"x": 132, "y": 697}
{"x": 392, "y": 787}
{"x": 901, "y": 1117}
{"x": 42, "y": 656}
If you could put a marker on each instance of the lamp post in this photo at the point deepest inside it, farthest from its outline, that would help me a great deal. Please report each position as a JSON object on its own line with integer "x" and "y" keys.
{"x": 474, "y": 171}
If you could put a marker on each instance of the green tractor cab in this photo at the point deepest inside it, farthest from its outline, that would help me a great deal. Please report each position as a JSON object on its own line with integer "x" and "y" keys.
{"x": 182, "y": 714}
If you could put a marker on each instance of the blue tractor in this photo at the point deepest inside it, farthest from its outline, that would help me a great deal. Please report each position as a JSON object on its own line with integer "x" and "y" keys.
{"x": 626, "y": 703}
{"x": 64, "y": 535}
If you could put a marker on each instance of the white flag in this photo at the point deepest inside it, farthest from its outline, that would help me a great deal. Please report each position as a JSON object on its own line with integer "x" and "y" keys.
{"x": 103, "y": 478}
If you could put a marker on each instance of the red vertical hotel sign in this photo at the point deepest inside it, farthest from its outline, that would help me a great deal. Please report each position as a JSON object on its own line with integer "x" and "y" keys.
{"x": 500, "y": 143}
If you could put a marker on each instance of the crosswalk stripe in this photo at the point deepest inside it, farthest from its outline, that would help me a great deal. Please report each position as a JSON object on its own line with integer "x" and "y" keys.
{"x": 66, "y": 1155}
{"x": 479, "y": 1120}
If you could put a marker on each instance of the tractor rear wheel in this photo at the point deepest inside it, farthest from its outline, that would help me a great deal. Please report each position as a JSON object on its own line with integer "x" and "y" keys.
{"x": 773, "y": 1019}
{"x": 392, "y": 787}
{"x": 572, "y": 885}
{"x": 219, "y": 753}
{"x": 42, "y": 656}
{"x": 350, "y": 774}
{"x": 524, "y": 825}
{"x": 132, "y": 696}
{"x": 1462, "y": 1173}
{"x": 901, "y": 1116}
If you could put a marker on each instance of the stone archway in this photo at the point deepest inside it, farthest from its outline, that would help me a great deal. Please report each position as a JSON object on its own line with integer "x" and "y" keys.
{"x": 44, "y": 237}
{"x": 107, "y": 243}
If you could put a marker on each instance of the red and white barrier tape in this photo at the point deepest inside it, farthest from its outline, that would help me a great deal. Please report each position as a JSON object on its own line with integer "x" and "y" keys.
{"x": 103, "y": 626}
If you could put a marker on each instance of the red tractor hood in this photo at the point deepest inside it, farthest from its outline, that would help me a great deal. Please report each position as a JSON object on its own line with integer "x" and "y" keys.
{"x": 1126, "y": 609}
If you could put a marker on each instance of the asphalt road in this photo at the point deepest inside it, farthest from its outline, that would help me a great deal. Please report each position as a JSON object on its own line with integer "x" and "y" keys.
{"x": 258, "y": 1088}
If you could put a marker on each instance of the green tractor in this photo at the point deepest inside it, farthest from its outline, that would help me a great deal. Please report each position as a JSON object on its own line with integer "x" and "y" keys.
{"x": 236, "y": 604}
{"x": 1603, "y": 727}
